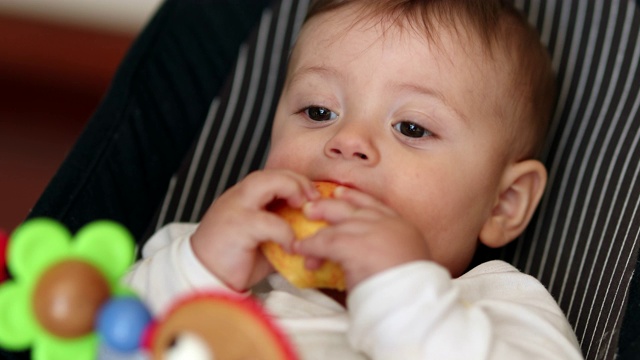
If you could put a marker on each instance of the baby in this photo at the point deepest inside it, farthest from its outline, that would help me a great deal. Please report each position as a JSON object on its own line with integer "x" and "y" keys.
{"x": 430, "y": 115}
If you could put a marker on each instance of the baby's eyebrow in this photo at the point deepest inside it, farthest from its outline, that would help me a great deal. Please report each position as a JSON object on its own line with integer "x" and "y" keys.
{"x": 430, "y": 92}
{"x": 400, "y": 87}
{"x": 322, "y": 71}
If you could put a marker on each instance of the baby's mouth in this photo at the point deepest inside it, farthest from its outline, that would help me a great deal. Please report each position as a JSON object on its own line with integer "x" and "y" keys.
{"x": 341, "y": 183}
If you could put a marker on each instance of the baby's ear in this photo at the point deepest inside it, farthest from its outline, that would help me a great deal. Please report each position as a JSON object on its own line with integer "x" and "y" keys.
{"x": 520, "y": 192}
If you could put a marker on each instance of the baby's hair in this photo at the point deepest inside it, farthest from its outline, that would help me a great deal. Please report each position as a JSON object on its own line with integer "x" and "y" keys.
{"x": 529, "y": 100}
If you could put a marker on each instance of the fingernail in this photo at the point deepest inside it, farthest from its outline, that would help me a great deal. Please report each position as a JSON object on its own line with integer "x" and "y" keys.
{"x": 314, "y": 194}
{"x": 307, "y": 208}
{"x": 295, "y": 246}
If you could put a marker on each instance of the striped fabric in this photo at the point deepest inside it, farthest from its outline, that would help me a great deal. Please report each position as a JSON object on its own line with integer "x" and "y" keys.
{"x": 235, "y": 134}
{"x": 582, "y": 243}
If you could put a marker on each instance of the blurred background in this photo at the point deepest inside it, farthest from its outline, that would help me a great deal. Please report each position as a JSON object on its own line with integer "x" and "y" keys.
{"x": 57, "y": 58}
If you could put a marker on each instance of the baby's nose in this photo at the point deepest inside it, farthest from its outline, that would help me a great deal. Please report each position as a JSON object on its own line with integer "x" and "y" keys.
{"x": 356, "y": 155}
{"x": 353, "y": 142}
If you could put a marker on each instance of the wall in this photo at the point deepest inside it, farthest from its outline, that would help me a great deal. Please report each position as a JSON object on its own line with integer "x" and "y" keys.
{"x": 57, "y": 58}
{"x": 112, "y": 15}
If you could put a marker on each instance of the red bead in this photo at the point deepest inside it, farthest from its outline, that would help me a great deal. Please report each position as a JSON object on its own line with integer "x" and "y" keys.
{"x": 4, "y": 242}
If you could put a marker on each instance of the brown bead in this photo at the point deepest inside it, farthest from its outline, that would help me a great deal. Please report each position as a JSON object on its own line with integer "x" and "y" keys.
{"x": 68, "y": 296}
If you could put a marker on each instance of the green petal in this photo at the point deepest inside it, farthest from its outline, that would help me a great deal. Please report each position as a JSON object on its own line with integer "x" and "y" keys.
{"x": 122, "y": 290}
{"x": 17, "y": 326}
{"x": 107, "y": 245}
{"x": 51, "y": 348}
{"x": 36, "y": 244}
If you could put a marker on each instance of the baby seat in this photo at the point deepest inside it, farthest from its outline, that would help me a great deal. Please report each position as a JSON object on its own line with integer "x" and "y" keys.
{"x": 188, "y": 115}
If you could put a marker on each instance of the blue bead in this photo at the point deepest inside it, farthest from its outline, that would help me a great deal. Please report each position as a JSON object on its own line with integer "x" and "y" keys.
{"x": 121, "y": 323}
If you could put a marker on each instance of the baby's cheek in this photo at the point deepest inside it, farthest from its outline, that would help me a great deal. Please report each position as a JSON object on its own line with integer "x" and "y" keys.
{"x": 450, "y": 233}
{"x": 279, "y": 158}
{"x": 286, "y": 159}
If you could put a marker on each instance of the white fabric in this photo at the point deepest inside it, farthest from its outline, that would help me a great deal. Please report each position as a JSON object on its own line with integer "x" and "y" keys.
{"x": 414, "y": 311}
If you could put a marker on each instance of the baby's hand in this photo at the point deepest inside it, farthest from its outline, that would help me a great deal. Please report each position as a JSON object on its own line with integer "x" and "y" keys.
{"x": 365, "y": 237}
{"x": 228, "y": 237}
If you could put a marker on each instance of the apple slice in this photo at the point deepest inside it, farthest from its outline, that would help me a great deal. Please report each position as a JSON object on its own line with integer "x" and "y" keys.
{"x": 291, "y": 266}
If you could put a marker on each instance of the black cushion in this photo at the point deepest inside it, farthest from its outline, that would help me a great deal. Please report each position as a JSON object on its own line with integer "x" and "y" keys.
{"x": 121, "y": 164}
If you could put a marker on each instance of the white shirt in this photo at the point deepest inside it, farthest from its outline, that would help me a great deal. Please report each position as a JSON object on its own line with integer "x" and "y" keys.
{"x": 413, "y": 311}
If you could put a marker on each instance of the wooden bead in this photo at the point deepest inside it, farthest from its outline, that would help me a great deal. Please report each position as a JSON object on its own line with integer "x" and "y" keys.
{"x": 68, "y": 296}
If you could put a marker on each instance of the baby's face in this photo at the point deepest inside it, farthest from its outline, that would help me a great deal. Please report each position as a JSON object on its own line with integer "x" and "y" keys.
{"x": 396, "y": 116}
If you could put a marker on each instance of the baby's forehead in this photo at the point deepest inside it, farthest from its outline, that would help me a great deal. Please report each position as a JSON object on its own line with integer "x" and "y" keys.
{"x": 403, "y": 60}
{"x": 438, "y": 33}
{"x": 477, "y": 21}
{"x": 334, "y": 32}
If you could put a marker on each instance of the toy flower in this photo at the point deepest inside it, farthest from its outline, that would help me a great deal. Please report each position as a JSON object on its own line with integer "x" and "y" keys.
{"x": 212, "y": 325}
{"x": 59, "y": 286}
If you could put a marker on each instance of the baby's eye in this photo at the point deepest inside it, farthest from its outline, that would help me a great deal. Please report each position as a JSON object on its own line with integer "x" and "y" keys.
{"x": 412, "y": 130}
{"x": 319, "y": 113}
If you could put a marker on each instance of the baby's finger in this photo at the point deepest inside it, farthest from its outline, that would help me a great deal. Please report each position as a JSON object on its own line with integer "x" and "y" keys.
{"x": 325, "y": 244}
{"x": 262, "y": 187}
{"x": 330, "y": 210}
{"x": 361, "y": 199}
{"x": 312, "y": 263}
{"x": 267, "y": 226}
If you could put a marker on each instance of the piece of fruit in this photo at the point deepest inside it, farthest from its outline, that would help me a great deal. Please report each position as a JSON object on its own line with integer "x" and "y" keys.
{"x": 291, "y": 266}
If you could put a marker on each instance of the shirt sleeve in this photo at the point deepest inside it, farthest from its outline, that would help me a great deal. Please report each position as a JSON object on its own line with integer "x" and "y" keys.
{"x": 169, "y": 269}
{"x": 416, "y": 311}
